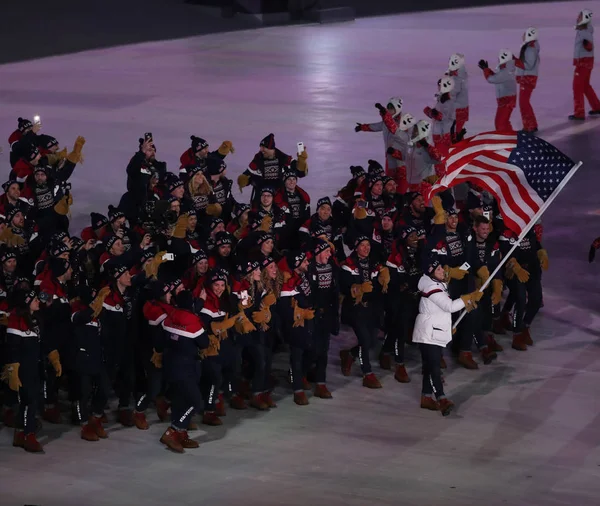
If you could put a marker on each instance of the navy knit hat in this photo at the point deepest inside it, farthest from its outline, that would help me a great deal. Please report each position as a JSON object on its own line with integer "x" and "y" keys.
{"x": 184, "y": 300}
{"x": 295, "y": 258}
{"x": 8, "y": 184}
{"x": 159, "y": 289}
{"x": 114, "y": 213}
{"x": 247, "y": 267}
{"x": 268, "y": 142}
{"x": 23, "y": 124}
{"x": 320, "y": 245}
{"x": 375, "y": 167}
{"x": 432, "y": 265}
{"x": 323, "y": 201}
{"x": 406, "y": 231}
{"x": 217, "y": 275}
{"x": 118, "y": 270}
{"x": 215, "y": 222}
{"x": 198, "y": 256}
{"x": 110, "y": 242}
{"x": 263, "y": 237}
{"x": 360, "y": 239}
{"x": 215, "y": 166}
{"x": 266, "y": 261}
{"x": 7, "y": 255}
{"x": 267, "y": 189}
{"x": 223, "y": 239}
{"x": 357, "y": 171}
{"x": 174, "y": 183}
{"x": 198, "y": 143}
{"x": 98, "y": 221}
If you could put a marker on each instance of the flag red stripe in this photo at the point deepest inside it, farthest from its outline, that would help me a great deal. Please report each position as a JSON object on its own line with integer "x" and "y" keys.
{"x": 454, "y": 160}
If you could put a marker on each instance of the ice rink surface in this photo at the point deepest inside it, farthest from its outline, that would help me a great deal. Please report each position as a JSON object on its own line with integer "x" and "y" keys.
{"x": 527, "y": 428}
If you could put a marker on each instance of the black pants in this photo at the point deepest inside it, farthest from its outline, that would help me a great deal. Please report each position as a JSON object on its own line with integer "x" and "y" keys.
{"x": 29, "y": 394}
{"x": 365, "y": 326}
{"x": 154, "y": 382}
{"x": 322, "y": 338}
{"x": 210, "y": 381}
{"x": 431, "y": 356}
{"x": 528, "y": 300}
{"x": 300, "y": 359}
{"x": 186, "y": 399}
{"x": 94, "y": 390}
{"x": 400, "y": 320}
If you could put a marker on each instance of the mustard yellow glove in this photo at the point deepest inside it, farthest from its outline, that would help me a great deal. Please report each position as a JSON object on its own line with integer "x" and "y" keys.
{"x": 10, "y": 375}
{"x": 471, "y": 299}
{"x": 214, "y": 345}
{"x": 156, "y": 359}
{"x": 543, "y": 258}
{"x": 268, "y": 300}
{"x": 483, "y": 274}
{"x": 302, "y": 166}
{"x": 181, "y": 226}
{"x": 225, "y": 148}
{"x": 151, "y": 266}
{"x": 214, "y": 210}
{"x": 54, "y": 359}
{"x": 243, "y": 180}
{"x": 454, "y": 273}
{"x": 96, "y": 304}
{"x": 440, "y": 215}
{"x": 75, "y": 156}
{"x": 266, "y": 224}
{"x": 384, "y": 279}
{"x": 496, "y": 291}
{"x": 513, "y": 266}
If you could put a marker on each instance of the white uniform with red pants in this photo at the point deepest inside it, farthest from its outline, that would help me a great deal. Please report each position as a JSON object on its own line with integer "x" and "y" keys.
{"x": 506, "y": 94}
{"x": 528, "y": 65}
{"x": 444, "y": 117}
{"x": 583, "y": 60}
{"x": 461, "y": 96}
{"x": 393, "y": 137}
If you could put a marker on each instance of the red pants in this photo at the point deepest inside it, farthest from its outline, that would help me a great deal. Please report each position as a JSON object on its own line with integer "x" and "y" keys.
{"x": 462, "y": 116}
{"x": 581, "y": 88}
{"x": 526, "y": 86}
{"x": 506, "y": 105}
{"x": 442, "y": 144}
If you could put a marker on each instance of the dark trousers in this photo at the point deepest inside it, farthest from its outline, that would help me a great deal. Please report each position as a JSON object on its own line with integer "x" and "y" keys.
{"x": 322, "y": 338}
{"x": 528, "y": 300}
{"x": 462, "y": 340}
{"x": 431, "y": 356}
{"x": 365, "y": 326}
{"x": 399, "y": 322}
{"x": 481, "y": 319}
{"x": 300, "y": 359}
{"x": 210, "y": 382}
{"x": 186, "y": 399}
{"x": 94, "y": 390}
{"x": 154, "y": 382}
{"x": 29, "y": 395}
{"x": 255, "y": 352}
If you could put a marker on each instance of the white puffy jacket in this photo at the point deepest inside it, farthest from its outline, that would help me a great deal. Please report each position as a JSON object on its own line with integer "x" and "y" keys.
{"x": 434, "y": 321}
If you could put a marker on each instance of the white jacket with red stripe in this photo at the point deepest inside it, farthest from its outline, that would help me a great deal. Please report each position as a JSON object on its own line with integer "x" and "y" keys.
{"x": 434, "y": 321}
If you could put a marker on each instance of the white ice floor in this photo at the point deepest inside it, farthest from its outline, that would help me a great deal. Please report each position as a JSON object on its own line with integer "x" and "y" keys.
{"x": 526, "y": 430}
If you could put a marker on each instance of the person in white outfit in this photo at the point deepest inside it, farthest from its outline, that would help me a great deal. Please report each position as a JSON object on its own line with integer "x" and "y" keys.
{"x": 433, "y": 331}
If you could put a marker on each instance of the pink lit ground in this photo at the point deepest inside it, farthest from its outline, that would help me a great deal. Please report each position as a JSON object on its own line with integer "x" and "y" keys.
{"x": 526, "y": 428}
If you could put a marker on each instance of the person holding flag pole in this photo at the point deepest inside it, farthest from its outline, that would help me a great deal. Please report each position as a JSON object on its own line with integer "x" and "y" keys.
{"x": 523, "y": 172}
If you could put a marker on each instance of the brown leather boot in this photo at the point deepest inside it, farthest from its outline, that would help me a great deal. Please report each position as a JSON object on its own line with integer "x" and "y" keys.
{"x": 300, "y": 398}
{"x": 139, "y": 419}
{"x": 322, "y": 392}
{"x": 385, "y": 361}
{"x": 488, "y": 355}
{"x": 19, "y": 438}
{"x": 493, "y": 344}
{"x": 126, "y": 417}
{"x": 211, "y": 418}
{"x": 162, "y": 409}
{"x": 237, "y": 402}
{"x": 171, "y": 439}
{"x": 518, "y": 342}
{"x": 346, "y": 362}
{"x": 446, "y": 406}
{"x": 52, "y": 414}
{"x": 371, "y": 381}
{"x": 401, "y": 375}
{"x": 88, "y": 433}
{"x": 96, "y": 423}
{"x": 185, "y": 441}
{"x": 502, "y": 324}
{"x": 268, "y": 397}
{"x": 306, "y": 384}
{"x": 527, "y": 337}
{"x": 258, "y": 402}
{"x": 443, "y": 364}
{"x": 32, "y": 444}
{"x": 245, "y": 390}
{"x": 220, "y": 406}
{"x": 104, "y": 418}
{"x": 465, "y": 358}
{"x": 429, "y": 403}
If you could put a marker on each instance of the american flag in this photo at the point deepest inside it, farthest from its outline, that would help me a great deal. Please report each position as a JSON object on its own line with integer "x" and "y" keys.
{"x": 520, "y": 170}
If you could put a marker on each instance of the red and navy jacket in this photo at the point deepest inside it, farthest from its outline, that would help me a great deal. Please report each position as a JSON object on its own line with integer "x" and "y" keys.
{"x": 297, "y": 212}
{"x": 87, "y": 342}
{"x": 23, "y": 344}
{"x": 351, "y": 274}
{"x": 155, "y": 313}
{"x": 264, "y": 172}
{"x": 525, "y": 253}
{"x": 405, "y": 268}
{"x": 185, "y": 336}
{"x": 57, "y": 314}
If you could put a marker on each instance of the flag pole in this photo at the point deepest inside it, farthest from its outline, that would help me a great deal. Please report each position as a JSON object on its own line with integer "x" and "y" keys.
{"x": 524, "y": 232}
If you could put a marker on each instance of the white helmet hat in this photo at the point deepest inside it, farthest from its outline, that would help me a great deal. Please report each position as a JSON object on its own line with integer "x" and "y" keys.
{"x": 530, "y": 34}
{"x": 397, "y": 103}
{"x": 585, "y": 16}
{"x": 505, "y": 56}
{"x": 406, "y": 122}
{"x": 421, "y": 130}
{"x": 457, "y": 60}
{"x": 446, "y": 84}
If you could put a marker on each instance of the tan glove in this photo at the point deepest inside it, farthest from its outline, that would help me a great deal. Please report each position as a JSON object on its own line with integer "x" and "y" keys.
{"x": 440, "y": 215}
{"x": 431, "y": 179}
{"x": 384, "y": 279}
{"x": 63, "y": 205}
{"x": 302, "y": 165}
{"x": 10, "y": 375}
{"x": 496, "y": 291}
{"x": 262, "y": 316}
{"x": 75, "y": 156}
{"x": 214, "y": 210}
{"x": 454, "y": 273}
{"x": 156, "y": 359}
{"x": 55, "y": 158}
{"x": 225, "y": 148}
{"x": 151, "y": 266}
{"x": 543, "y": 258}
{"x": 483, "y": 274}
{"x": 359, "y": 289}
{"x": 220, "y": 328}
{"x": 360, "y": 213}
{"x": 243, "y": 325}
{"x": 298, "y": 314}
{"x": 3, "y": 320}
{"x": 309, "y": 314}
{"x": 181, "y": 226}
{"x": 10, "y": 238}
{"x": 515, "y": 269}
{"x": 54, "y": 358}
{"x": 96, "y": 304}
{"x": 214, "y": 345}
{"x": 471, "y": 299}
{"x": 243, "y": 180}
{"x": 266, "y": 224}
{"x": 268, "y": 300}
{"x": 331, "y": 245}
